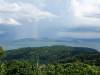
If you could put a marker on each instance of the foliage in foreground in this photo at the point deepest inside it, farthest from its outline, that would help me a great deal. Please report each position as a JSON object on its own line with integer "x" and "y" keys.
{"x": 27, "y": 68}
{"x": 16, "y": 62}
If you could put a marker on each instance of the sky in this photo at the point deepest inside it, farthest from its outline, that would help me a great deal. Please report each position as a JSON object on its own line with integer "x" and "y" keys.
{"x": 49, "y": 18}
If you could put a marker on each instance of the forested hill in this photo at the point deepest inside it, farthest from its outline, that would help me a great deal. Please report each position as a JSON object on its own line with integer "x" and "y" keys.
{"x": 52, "y": 54}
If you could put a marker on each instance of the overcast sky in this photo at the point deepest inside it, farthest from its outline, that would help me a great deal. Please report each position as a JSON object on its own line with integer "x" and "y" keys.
{"x": 49, "y": 18}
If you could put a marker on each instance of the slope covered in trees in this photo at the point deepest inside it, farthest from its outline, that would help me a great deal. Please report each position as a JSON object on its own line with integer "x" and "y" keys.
{"x": 53, "y": 54}
{"x": 52, "y": 60}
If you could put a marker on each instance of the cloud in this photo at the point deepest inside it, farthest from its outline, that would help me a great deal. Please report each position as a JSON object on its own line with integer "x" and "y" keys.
{"x": 22, "y": 11}
{"x": 86, "y": 8}
{"x": 85, "y": 12}
{"x": 79, "y": 34}
{"x": 9, "y": 21}
{"x": 83, "y": 29}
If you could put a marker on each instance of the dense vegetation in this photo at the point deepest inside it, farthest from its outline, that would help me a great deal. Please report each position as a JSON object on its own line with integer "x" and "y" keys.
{"x": 54, "y": 60}
{"x": 46, "y": 52}
{"x": 26, "y": 68}
{"x": 53, "y": 54}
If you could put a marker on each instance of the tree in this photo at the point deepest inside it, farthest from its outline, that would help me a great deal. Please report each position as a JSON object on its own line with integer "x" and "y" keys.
{"x": 19, "y": 68}
{"x": 1, "y": 51}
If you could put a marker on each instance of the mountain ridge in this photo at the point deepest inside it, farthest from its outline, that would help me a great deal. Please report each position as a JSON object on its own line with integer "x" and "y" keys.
{"x": 49, "y": 54}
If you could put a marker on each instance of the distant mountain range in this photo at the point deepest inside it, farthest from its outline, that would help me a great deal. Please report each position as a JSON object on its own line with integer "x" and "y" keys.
{"x": 57, "y": 40}
{"x": 30, "y": 42}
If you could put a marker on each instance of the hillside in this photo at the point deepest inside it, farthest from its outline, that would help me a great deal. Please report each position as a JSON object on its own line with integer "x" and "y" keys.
{"x": 52, "y": 54}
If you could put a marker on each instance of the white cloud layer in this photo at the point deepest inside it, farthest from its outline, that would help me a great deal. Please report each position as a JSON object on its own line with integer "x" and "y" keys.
{"x": 21, "y": 11}
{"x": 9, "y": 21}
{"x": 86, "y": 11}
{"x": 83, "y": 8}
